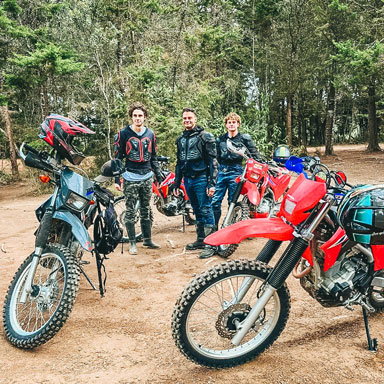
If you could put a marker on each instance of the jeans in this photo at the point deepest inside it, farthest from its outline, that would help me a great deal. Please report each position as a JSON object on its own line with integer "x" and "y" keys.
{"x": 226, "y": 180}
{"x": 201, "y": 203}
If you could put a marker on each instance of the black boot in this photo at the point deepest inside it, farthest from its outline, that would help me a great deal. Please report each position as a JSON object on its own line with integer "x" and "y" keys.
{"x": 199, "y": 242}
{"x": 209, "y": 250}
{"x": 217, "y": 215}
{"x": 132, "y": 238}
{"x": 146, "y": 230}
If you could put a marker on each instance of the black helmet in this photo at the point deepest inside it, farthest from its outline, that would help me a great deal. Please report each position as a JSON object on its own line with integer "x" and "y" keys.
{"x": 361, "y": 214}
{"x": 111, "y": 168}
{"x": 281, "y": 154}
{"x": 59, "y": 131}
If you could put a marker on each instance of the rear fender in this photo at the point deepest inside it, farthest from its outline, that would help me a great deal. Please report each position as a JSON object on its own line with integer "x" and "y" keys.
{"x": 78, "y": 229}
{"x": 270, "y": 228}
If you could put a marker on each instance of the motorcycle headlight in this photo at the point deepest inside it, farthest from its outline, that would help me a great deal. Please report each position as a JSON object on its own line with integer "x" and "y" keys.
{"x": 289, "y": 206}
{"x": 76, "y": 202}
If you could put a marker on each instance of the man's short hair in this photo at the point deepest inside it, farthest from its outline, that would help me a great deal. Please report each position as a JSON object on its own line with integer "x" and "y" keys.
{"x": 232, "y": 116}
{"x": 189, "y": 110}
{"x": 137, "y": 105}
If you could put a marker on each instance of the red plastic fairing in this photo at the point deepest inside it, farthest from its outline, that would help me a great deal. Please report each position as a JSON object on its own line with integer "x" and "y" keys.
{"x": 378, "y": 255}
{"x": 252, "y": 192}
{"x": 270, "y": 228}
{"x": 307, "y": 255}
{"x": 332, "y": 248}
{"x": 155, "y": 189}
{"x": 279, "y": 184}
{"x": 300, "y": 198}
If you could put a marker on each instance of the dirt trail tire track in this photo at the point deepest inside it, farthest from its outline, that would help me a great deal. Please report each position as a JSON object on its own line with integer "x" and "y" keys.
{"x": 126, "y": 336}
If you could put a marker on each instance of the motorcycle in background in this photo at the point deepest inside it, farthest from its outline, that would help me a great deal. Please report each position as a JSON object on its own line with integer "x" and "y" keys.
{"x": 261, "y": 186}
{"x": 165, "y": 202}
{"x": 233, "y": 312}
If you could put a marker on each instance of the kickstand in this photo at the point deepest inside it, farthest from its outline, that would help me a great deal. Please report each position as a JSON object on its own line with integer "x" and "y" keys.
{"x": 372, "y": 343}
{"x": 183, "y": 223}
{"x": 87, "y": 277}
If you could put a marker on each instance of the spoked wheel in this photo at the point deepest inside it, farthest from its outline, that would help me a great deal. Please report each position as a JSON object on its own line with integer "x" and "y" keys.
{"x": 240, "y": 212}
{"x": 210, "y": 309}
{"x": 54, "y": 287}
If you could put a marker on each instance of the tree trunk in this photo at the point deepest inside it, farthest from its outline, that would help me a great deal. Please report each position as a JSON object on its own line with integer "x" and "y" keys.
{"x": 373, "y": 140}
{"x": 329, "y": 120}
{"x": 289, "y": 120}
{"x": 8, "y": 128}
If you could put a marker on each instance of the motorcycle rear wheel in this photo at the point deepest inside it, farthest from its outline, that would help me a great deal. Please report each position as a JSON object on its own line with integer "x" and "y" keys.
{"x": 55, "y": 285}
{"x": 376, "y": 296}
{"x": 240, "y": 212}
{"x": 205, "y": 316}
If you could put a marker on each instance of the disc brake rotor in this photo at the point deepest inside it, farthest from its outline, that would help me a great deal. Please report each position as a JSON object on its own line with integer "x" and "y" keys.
{"x": 227, "y": 321}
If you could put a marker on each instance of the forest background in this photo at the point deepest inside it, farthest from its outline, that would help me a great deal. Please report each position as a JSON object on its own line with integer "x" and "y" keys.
{"x": 301, "y": 72}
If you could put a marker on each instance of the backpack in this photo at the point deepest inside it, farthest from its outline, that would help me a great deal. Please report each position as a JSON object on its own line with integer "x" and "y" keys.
{"x": 107, "y": 233}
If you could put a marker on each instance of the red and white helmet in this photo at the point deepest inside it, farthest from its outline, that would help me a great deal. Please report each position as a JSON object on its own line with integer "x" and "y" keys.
{"x": 58, "y": 131}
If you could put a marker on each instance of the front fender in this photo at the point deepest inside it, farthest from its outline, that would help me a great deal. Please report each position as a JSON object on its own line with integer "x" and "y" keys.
{"x": 251, "y": 190}
{"x": 271, "y": 228}
{"x": 78, "y": 229}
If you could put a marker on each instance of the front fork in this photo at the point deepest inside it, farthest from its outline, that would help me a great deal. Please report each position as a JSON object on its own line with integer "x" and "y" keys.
{"x": 40, "y": 243}
{"x": 233, "y": 202}
{"x": 281, "y": 271}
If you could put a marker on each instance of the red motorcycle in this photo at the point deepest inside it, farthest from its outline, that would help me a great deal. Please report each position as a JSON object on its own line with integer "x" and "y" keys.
{"x": 261, "y": 185}
{"x": 233, "y": 312}
{"x": 165, "y": 202}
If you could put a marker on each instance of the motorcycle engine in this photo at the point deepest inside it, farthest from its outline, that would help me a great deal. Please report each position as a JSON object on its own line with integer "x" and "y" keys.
{"x": 173, "y": 205}
{"x": 348, "y": 276}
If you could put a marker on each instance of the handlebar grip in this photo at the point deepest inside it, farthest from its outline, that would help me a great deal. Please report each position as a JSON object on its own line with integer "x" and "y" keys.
{"x": 31, "y": 149}
{"x": 32, "y": 160}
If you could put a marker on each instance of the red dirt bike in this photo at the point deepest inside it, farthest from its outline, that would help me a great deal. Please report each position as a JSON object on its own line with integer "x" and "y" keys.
{"x": 233, "y": 312}
{"x": 261, "y": 185}
{"x": 166, "y": 203}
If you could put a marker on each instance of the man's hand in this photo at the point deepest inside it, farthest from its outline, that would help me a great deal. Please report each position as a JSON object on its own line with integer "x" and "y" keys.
{"x": 118, "y": 187}
{"x": 211, "y": 191}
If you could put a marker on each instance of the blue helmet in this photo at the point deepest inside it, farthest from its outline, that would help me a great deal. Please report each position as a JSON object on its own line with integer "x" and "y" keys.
{"x": 281, "y": 154}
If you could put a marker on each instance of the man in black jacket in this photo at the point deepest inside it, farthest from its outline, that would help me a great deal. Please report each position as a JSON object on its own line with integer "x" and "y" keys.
{"x": 230, "y": 164}
{"x": 196, "y": 162}
{"x": 137, "y": 145}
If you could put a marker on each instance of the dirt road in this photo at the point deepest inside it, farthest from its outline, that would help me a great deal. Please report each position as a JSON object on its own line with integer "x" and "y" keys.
{"x": 125, "y": 337}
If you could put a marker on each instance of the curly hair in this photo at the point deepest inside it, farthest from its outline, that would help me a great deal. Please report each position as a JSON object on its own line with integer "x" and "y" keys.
{"x": 232, "y": 116}
{"x": 137, "y": 105}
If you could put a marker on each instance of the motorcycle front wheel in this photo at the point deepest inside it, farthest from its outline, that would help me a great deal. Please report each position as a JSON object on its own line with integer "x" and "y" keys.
{"x": 54, "y": 287}
{"x": 240, "y": 212}
{"x": 209, "y": 310}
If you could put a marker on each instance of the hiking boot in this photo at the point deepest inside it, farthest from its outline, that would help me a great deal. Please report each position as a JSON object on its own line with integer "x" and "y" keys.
{"x": 208, "y": 251}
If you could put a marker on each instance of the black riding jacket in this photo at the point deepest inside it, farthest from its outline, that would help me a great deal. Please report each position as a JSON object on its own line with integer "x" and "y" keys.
{"x": 228, "y": 158}
{"x": 138, "y": 151}
{"x": 196, "y": 155}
